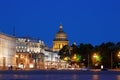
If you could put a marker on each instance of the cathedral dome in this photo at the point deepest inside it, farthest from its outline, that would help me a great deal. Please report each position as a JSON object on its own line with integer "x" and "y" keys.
{"x": 61, "y": 35}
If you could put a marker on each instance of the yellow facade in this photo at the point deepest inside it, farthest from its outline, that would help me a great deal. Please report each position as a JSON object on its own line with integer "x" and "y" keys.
{"x": 60, "y": 40}
{"x": 57, "y": 45}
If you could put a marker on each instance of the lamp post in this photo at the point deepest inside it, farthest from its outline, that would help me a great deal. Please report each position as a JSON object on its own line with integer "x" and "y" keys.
{"x": 95, "y": 56}
{"x": 119, "y": 58}
{"x": 88, "y": 61}
{"x": 94, "y": 59}
{"x": 111, "y": 60}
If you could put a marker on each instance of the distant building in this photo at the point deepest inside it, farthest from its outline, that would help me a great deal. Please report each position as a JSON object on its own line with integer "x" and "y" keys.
{"x": 7, "y": 50}
{"x": 60, "y": 40}
{"x": 32, "y": 53}
{"x": 51, "y": 59}
{"x": 30, "y": 45}
{"x": 29, "y": 53}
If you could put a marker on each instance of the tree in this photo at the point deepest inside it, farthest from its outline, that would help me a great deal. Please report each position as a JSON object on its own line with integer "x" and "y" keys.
{"x": 107, "y": 54}
{"x": 105, "y": 50}
{"x": 85, "y": 51}
{"x": 64, "y": 52}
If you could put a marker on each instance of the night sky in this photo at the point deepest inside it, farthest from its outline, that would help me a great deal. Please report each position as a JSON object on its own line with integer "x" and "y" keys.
{"x": 84, "y": 21}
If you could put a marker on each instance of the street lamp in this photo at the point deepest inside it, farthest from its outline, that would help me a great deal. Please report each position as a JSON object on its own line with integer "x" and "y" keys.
{"x": 74, "y": 57}
{"x": 118, "y": 54}
{"x": 66, "y": 58}
{"x": 95, "y": 56}
{"x": 119, "y": 58}
{"x": 95, "y": 59}
{"x": 113, "y": 56}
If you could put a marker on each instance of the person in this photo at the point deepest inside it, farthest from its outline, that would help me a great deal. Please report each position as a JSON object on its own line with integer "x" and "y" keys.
{"x": 11, "y": 67}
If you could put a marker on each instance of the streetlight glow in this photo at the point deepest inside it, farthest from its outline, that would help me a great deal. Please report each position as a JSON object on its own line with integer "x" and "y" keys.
{"x": 118, "y": 54}
{"x": 66, "y": 58}
{"x": 95, "y": 55}
{"x": 76, "y": 57}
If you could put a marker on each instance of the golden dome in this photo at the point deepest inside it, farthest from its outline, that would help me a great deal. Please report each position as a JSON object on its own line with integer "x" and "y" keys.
{"x": 61, "y": 35}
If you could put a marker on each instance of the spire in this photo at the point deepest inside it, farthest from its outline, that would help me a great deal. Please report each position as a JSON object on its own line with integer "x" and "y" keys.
{"x": 61, "y": 27}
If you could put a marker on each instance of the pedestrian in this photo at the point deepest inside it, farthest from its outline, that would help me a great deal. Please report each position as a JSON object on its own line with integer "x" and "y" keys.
{"x": 11, "y": 67}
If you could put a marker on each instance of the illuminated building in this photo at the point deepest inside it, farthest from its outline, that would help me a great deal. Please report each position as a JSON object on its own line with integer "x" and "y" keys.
{"x": 60, "y": 40}
{"x": 7, "y": 50}
{"x": 29, "y": 53}
{"x": 51, "y": 59}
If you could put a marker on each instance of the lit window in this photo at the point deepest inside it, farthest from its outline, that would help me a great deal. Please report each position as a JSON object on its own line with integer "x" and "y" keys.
{"x": 17, "y": 50}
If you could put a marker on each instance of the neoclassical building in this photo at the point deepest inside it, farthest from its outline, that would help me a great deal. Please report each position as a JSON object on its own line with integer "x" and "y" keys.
{"x": 60, "y": 39}
{"x": 7, "y": 50}
{"x": 29, "y": 53}
{"x": 32, "y": 53}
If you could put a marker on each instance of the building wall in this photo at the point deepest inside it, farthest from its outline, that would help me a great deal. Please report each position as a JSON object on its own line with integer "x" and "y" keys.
{"x": 51, "y": 59}
{"x": 7, "y": 50}
{"x": 29, "y": 45}
{"x": 27, "y": 49}
{"x": 57, "y": 45}
{"x": 32, "y": 52}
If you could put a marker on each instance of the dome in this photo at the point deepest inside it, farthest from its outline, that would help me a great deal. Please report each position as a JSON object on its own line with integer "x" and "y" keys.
{"x": 60, "y": 35}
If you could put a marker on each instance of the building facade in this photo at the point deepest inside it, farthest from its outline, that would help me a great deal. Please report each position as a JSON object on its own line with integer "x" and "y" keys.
{"x": 7, "y": 50}
{"x": 51, "y": 59}
{"x": 60, "y": 40}
{"x": 33, "y": 54}
{"x": 29, "y": 53}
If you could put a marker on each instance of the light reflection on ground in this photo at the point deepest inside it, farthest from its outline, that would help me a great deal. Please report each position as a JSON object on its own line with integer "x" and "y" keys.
{"x": 95, "y": 77}
{"x": 118, "y": 77}
{"x": 74, "y": 77}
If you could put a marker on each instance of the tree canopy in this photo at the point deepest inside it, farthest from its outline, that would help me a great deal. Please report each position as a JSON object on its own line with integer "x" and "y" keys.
{"x": 83, "y": 53}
